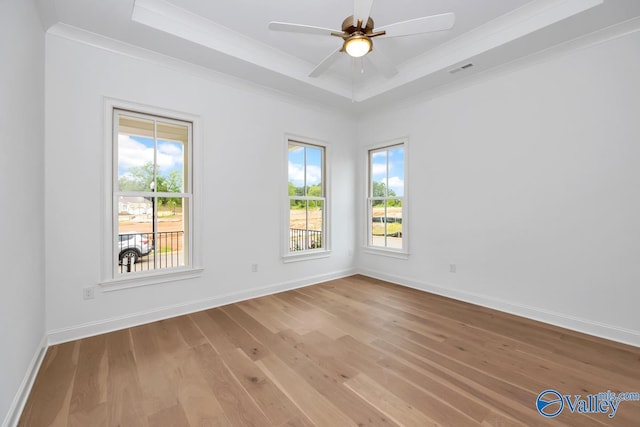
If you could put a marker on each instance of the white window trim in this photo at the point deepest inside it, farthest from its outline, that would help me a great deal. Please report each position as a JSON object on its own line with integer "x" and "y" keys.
{"x": 108, "y": 280}
{"x": 378, "y": 250}
{"x": 325, "y": 251}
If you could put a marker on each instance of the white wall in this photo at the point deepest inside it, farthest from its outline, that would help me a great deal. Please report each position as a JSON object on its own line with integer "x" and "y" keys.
{"x": 244, "y": 174}
{"x": 21, "y": 194}
{"x": 528, "y": 181}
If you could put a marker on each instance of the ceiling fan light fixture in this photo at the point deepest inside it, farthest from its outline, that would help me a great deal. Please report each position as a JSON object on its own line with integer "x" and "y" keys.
{"x": 358, "y": 45}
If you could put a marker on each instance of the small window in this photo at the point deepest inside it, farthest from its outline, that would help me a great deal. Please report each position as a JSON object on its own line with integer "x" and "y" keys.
{"x": 386, "y": 198}
{"x": 152, "y": 193}
{"x": 307, "y": 198}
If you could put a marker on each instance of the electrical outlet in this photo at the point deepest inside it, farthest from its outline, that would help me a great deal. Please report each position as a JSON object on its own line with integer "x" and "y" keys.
{"x": 254, "y": 268}
{"x": 452, "y": 268}
{"x": 88, "y": 293}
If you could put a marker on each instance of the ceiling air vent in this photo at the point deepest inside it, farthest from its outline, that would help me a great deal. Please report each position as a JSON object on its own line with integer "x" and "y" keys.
{"x": 464, "y": 67}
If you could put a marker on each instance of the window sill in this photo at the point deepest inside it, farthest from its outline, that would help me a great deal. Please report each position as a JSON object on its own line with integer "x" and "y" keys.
{"x": 305, "y": 256}
{"x": 391, "y": 253}
{"x": 154, "y": 278}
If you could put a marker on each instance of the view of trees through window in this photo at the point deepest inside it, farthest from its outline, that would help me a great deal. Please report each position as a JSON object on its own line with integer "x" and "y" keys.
{"x": 306, "y": 197}
{"x": 386, "y": 194}
{"x": 151, "y": 200}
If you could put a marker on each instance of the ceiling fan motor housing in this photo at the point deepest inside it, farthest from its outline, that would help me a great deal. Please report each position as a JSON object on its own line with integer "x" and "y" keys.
{"x": 349, "y": 28}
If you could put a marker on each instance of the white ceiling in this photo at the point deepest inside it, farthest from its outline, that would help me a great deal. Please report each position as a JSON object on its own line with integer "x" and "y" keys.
{"x": 232, "y": 36}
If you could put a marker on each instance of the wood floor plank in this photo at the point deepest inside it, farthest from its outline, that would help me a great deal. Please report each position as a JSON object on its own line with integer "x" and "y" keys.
{"x": 341, "y": 318}
{"x": 155, "y": 371}
{"x": 237, "y": 404}
{"x": 394, "y": 407}
{"x": 309, "y": 318}
{"x": 190, "y": 333}
{"x": 490, "y": 390}
{"x": 123, "y": 385}
{"x": 438, "y": 390}
{"x": 214, "y": 333}
{"x": 318, "y": 349}
{"x": 298, "y": 422}
{"x": 273, "y": 403}
{"x": 238, "y": 336}
{"x": 89, "y": 392}
{"x": 324, "y": 372}
{"x": 502, "y": 397}
{"x": 430, "y": 404}
{"x": 381, "y": 317}
{"x": 172, "y": 416}
{"x": 197, "y": 398}
{"x": 351, "y": 351}
{"x": 267, "y": 317}
{"x": 49, "y": 402}
{"x": 315, "y": 406}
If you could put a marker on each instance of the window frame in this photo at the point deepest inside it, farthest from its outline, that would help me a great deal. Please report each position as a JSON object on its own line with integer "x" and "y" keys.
{"x": 401, "y": 253}
{"x": 325, "y": 251}
{"x": 111, "y": 279}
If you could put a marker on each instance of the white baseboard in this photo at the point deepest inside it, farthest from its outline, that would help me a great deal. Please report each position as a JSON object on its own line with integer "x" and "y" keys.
{"x": 108, "y": 325}
{"x": 590, "y": 327}
{"x": 20, "y": 399}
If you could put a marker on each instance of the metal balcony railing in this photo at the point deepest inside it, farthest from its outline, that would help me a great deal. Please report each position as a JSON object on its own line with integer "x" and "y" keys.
{"x": 140, "y": 252}
{"x": 301, "y": 239}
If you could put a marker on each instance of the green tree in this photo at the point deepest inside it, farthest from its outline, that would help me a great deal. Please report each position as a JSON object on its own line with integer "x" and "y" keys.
{"x": 312, "y": 191}
{"x": 315, "y": 190}
{"x": 174, "y": 182}
{"x": 292, "y": 189}
{"x": 380, "y": 190}
{"x": 140, "y": 178}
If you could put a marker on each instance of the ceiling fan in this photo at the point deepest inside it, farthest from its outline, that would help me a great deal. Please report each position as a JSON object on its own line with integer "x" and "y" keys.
{"x": 358, "y": 30}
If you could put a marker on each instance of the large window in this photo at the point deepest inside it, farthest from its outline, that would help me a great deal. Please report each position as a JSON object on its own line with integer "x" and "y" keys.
{"x": 307, "y": 200}
{"x": 386, "y": 198}
{"x": 152, "y": 193}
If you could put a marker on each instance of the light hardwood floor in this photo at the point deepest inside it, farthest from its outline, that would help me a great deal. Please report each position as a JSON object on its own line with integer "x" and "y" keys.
{"x": 354, "y": 351}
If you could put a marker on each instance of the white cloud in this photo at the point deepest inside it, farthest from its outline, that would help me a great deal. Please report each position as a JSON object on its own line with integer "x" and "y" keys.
{"x": 378, "y": 169}
{"x": 396, "y": 184}
{"x": 296, "y": 174}
{"x": 132, "y": 153}
{"x": 170, "y": 155}
{"x": 170, "y": 148}
{"x": 314, "y": 175}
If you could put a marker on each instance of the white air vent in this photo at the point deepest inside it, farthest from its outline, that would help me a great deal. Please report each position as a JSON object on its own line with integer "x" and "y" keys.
{"x": 464, "y": 67}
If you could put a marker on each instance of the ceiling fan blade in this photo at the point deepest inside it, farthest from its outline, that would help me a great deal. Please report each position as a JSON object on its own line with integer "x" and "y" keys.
{"x": 382, "y": 63}
{"x": 361, "y": 11}
{"x": 425, "y": 24}
{"x": 326, "y": 63}
{"x": 300, "y": 28}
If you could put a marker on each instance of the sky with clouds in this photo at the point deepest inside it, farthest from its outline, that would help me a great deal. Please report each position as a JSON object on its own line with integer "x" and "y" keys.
{"x": 388, "y": 167}
{"x": 391, "y": 160}
{"x": 297, "y": 163}
{"x": 136, "y": 151}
